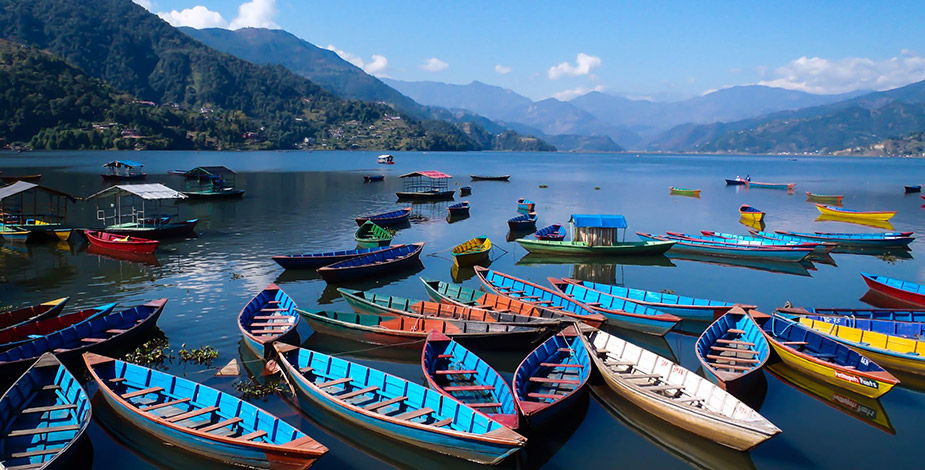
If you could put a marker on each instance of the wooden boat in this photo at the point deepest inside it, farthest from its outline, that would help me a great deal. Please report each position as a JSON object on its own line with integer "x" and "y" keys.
{"x": 110, "y": 331}
{"x": 460, "y": 374}
{"x": 13, "y": 179}
{"x": 157, "y": 230}
{"x": 455, "y": 294}
{"x": 472, "y": 252}
{"x": 177, "y": 172}
{"x": 317, "y": 260}
{"x": 866, "y": 215}
{"x": 12, "y": 234}
{"x": 392, "y": 260}
{"x": 906, "y": 291}
{"x": 395, "y": 407}
{"x": 32, "y": 313}
{"x": 891, "y": 352}
{"x": 522, "y": 222}
{"x": 819, "y": 356}
{"x": 532, "y": 294}
{"x": 684, "y": 191}
{"x": 893, "y": 315}
{"x": 373, "y": 178}
{"x": 552, "y": 378}
{"x": 270, "y": 316}
{"x": 827, "y": 198}
{"x": 819, "y": 247}
{"x": 844, "y": 240}
{"x": 913, "y": 189}
{"x": 525, "y": 206}
{"x": 757, "y": 184}
{"x": 490, "y": 178}
{"x": 218, "y": 193}
{"x": 573, "y": 248}
{"x": 24, "y": 333}
{"x": 385, "y": 159}
{"x": 45, "y": 414}
{"x": 751, "y": 214}
{"x": 732, "y": 350}
{"x": 121, "y": 242}
{"x": 458, "y": 209}
{"x": 369, "y": 302}
{"x": 465, "y": 190}
{"x": 619, "y": 312}
{"x": 387, "y": 219}
{"x": 902, "y": 329}
{"x": 201, "y": 419}
{"x": 732, "y": 250}
{"x": 370, "y": 235}
{"x": 687, "y": 308}
{"x": 736, "y": 182}
{"x": 676, "y": 395}
{"x": 554, "y": 232}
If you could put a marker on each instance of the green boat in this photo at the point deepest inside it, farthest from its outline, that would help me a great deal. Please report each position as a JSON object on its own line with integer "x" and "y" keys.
{"x": 573, "y": 248}
{"x": 370, "y": 235}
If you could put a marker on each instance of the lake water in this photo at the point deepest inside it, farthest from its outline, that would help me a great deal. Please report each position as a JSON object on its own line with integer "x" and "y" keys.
{"x": 299, "y": 202}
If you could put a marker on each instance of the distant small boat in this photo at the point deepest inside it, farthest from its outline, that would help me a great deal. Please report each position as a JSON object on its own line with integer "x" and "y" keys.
{"x": 525, "y": 206}
{"x": 270, "y": 316}
{"x": 913, "y": 189}
{"x": 387, "y": 219}
{"x": 317, "y": 260}
{"x": 373, "y": 178}
{"x": 785, "y": 186}
{"x": 829, "y": 198}
{"x": 391, "y": 260}
{"x": 736, "y": 182}
{"x": 684, "y": 191}
{"x": 177, "y": 172}
{"x": 522, "y": 222}
{"x": 32, "y": 313}
{"x": 867, "y": 215}
{"x": 121, "y": 242}
{"x": 906, "y": 291}
{"x": 385, "y": 159}
{"x": 490, "y": 178}
{"x": 732, "y": 349}
{"x": 749, "y": 213}
{"x": 465, "y": 190}
{"x": 13, "y": 179}
{"x": 459, "y": 209}
{"x": 119, "y": 170}
{"x": 471, "y": 252}
{"x": 370, "y": 235}
{"x": 554, "y": 232}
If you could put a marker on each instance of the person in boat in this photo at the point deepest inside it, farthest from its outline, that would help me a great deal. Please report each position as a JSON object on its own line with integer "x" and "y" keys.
{"x": 748, "y": 177}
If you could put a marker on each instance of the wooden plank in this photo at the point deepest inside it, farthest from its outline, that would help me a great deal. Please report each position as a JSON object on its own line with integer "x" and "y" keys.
{"x": 268, "y": 317}
{"x": 732, "y": 359}
{"x": 443, "y": 422}
{"x": 34, "y": 453}
{"x": 794, "y": 343}
{"x": 660, "y": 388}
{"x": 688, "y": 400}
{"x": 93, "y": 340}
{"x": 115, "y": 331}
{"x": 305, "y": 370}
{"x": 116, "y": 380}
{"x": 567, "y": 366}
{"x": 331, "y": 383}
{"x": 547, "y": 380}
{"x": 414, "y": 414}
{"x": 736, "y": 331}
{"x": 165, "y": 404}
{"x": 43, "y": 409}
{"x": 220, "y": 424}
{"x": 274, "y": 309}
{"x": 735, "y": 350}
{"x": 641, "y": 376}
{"x": 253, "y": 435}
{"x": 568, "y": 350}
{"x": 28, "y": 466}
{"x": 552, "y": 396}
{"x": 139, "y": 393}
{"x": 483, "y": 405}
{"x": 383, "y": 404}
{"x": 52, "y": 387}
{"x": 444, "y": 356}
{"x": 735, "y": 342}
{"x": 357, "y": 393}
{"x": 729, "y": 366}
{"x": 192, "y": 414}
{"x": 270, "y": 324}
{"x": 468, "y": 388}
{"x": 33, "y": 431}
{"x": 266, "y": 332}
{"x": 455, "y": 372}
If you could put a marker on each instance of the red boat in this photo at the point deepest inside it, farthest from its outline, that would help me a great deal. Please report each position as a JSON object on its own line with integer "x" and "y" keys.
{"x": 121, "y": 242}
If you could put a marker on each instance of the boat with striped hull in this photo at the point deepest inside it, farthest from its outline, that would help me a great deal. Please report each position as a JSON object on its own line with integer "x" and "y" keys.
{"x": 317, "y": 260}
{"x": 17, "y": 335}
{"x": 892, "y": 352}
{"x": 906, "y": 291}
{"x": 732, "y": 350}
{"x": 843, "y": 240}
{"x": 32, "y": 313}
{"x": 387, "y": 219}
{"x": 456, "y": 294}
{"x": 882, "y": 216}
{"x": 553, "y": 378}
{"x": 391, "y": 260}
{"x": 732, "y": 250}
{"x": 619, "y": 312}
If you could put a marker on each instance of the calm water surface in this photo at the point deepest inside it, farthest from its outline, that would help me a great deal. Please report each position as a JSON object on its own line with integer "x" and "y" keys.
{"x": 304, "y": 202}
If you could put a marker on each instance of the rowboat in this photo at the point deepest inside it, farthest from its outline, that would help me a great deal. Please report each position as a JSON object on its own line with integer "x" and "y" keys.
{"x": 735, "y": 182}
{"x": 121, "y": 242}
{"x": 684, "y": 191}
{"x": 387, "y": 219}
{"x": 525, "y": 206}
{"x": 819, "y": 356}
{"x": 369, "y": 302}
{"x": 458, "y": 209}
{"x": 756, "y": 184}
{"x": 13, "y": 179}
{"x": 819, "y": 247}
{"x": 465, "y": 190}
{"x": 688, "y": 308}
{"x": 913, "y": 189}
{"x": 317, "y": 260}
{"x": 892, "y": 352}
{"x": 45, "y": 414}
{"x": 201, "y": 419}
{"x": 270, "y": 316}
{"x": 619, "y": 312}
{"x": 554, "y": 232}
{"x": 17, "y": 335}
{"x": 894, "y": 315}
{"x": 373, "y": 178}
{"x": 122, "y": 170}
{"x": 732, "y": 350}
{"x": 410, "y": 332}
{"x": 215, "y": 193}
{"x": 552, "y": 378}
{"x": 490, "y": 178}
{"x": 676, "y": 395}
{"x": 391, "y": 260}
{"x": 455, "y": 294}
{"x": 472, "y": 252}
{"x": 522, "y": 222}
{"x": 903, "y": 290}
{"x": 829, "y": 198}
{"x": 732, "y": 250}
{"x": 751, "y": 214}
{"x": 370, "y": 235}
{"x": 109, "y": 331}
{"x": 866, "y": 215}
{"x": 532, "y": 294}
{"x": 63, "y": 234}
{"x": 844, "y": 240}
{"x": 32, "y": 313}
{"x": 176, "y": 172}
{"x": 460, "y": 374}
{"x": 11, "y": 234}
{"x": 573, "y": 248}
{"x": 395, "y": 407}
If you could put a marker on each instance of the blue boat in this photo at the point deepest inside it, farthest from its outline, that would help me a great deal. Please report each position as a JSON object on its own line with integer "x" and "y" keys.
{"x": 731, "y": 250}
{"x": 268, "y": 317}
{"x": 818, "y": 247}
{"x": 29, "y": 314}
{"x": 898, "y": 315}
{"x": 14, "y": 336}
{"x": 522, "y": 222}
{"x": 459, "y": 209}
{"x": 373, "y": 178}
{"x": 525, "y": 206}
{"x": 391, "y": 260}
{"x": 387, "y": 219}
{"x": 465, "y": 190}
{"x": 908, "y": 292}
{"x": 913, "y": 188}
{"x": 113, "y": 330}
{"x": 527, "y": 292}
{"x": 43, "y": 416}
{"x": 552, "y": 378}
{"x": 619, "y": 312}
{"x": 460, "y": 374}
{"x": 732, "y": 349}
{"x": 844, "y": 240}
{"x": 317, "y": 260}
{"x": 396, "y": 408}
{"x": 551, "y": 232}
{"x": 200, "y": 419}
{"x": 904, "y": 329}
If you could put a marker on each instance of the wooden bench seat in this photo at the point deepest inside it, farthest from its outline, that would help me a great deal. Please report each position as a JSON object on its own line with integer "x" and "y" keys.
{"x": 455, "y": 372}
{"x": 468, "y": 388}
{"x": 794, "y": 343}
{"x": 547, "y": 380}
{"x": 551, "y": 396}
{"x": 34, "y": 453}
{"x": 253, "y": 435}
{"x": 357, "y": 393}
{"x": 383, "y": 404}
{"x": 567, "y": 366}
{"x": 444, "y": 356}
{"x": 165, "y": 404}
{"x": 33, "y": 431}
{"x": 568, "y": 350}
{"x": 276, "y": 324}
{"x": 735, "y": 350}
{"x": 443, "y": 422}
{"x": 92, "y": 340}
{"x": 269, "y": 317}
{"x": 274, "y": 309}
{"x": 735, "y": 342}
{"x": 220, "y": 424}
{"x": 484, "y": 405}
{"x": 43, "y": 409}
{"x": 641, "y": 376}
{"x": 115, "y": 331}
{"x": 730, "y": 367}
{"x": 688, "y": 400}
{"x": 732, "y": 359}
{"x": 331, "y": 383}
{"x": 661, "y": 388}
{"x": 414, "y": 414}
{"x": 192, "y": 414}
{"x": 736, "y": 331}
{"x": 139, "y": 393}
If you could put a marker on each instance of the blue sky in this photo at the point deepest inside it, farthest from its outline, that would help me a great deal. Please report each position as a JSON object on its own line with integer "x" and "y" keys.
{"x": 662, "y": 50}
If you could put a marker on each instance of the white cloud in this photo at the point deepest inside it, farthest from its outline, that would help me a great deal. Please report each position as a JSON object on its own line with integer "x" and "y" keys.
{"x": 566, "y": 95}
{"x": 818, "y": 75}
{"x": 145, "y": 3}
{"x": 434, "y": 65}
{"x": 503, "y": 70}
{"x": 198, "y": 17}
{"x": 256, "y": 14}
{"x": 583, "y": 65}
{"x": 378, "y": 66}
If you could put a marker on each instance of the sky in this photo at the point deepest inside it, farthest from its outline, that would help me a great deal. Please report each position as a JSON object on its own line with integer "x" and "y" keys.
{"x": 660, "y": 50}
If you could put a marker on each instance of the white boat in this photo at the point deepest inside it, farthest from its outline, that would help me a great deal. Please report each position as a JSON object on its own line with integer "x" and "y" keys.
{"x": 386, "y": 159}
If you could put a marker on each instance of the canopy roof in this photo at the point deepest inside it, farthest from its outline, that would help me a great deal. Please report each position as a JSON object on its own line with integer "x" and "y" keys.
{"x": 598, "y": 221}
{"x": 122, "y": 163}
{"x": 23, "y": 186}
{"x": 148, "y": 191}
{"x": 437, "y": 175}
{"x": 209, "y": 170}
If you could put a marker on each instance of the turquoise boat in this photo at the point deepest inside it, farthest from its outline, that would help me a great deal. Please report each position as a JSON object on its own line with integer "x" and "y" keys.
{"x": 509, "y": 286}
{"x": 844, "y": 240}
{"x": 43, "y": 416}
{"x": 200, "y": 419}
{"x": 731, "y": 250}
{"x": 819, "y": 248}
{"x": 732, "y": 350}
{"x": 619, "y": 312}
{"x": 270, "y": 316}
{"x": 392, "y": 406}
{"x": 688, "y": 308}
{"x": 906, "y": 291}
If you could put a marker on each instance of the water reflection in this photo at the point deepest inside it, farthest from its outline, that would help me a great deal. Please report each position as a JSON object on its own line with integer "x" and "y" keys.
{"x": 801, "y": 268}
{"x": 885, "y": 225}
{"x": 143, "y": 258}
{"x": 880, "y": 300}
{"x": 330, "y": 294}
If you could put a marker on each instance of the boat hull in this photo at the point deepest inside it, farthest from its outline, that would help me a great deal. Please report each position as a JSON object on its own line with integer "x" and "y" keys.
{"x": 335, "y": 273}
{"x": 835, "y": 376}
{"x": 228, "y": 194}
{"x": 389, "y": 219}
{"x": 155, "y": 232}
{"x": 879, "y": 216}
{"x": 425, "y": 195}
{"x": 895, "y": 292}
{"x": 570, "y": 248}
{"x": 137, "y": 245}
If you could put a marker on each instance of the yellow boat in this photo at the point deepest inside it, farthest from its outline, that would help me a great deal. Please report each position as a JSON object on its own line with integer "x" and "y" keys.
{"x": 891, "y": 352}
{"x": 471, "y": 252}
{"x": 749, "y": 213}
{"x": 63, "y": 234}
{"x": 850, "y": 214}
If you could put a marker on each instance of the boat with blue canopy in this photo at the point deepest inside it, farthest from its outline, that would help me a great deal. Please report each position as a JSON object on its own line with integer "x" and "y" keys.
{"x": 619, "y": 312}
{"x": 391, "y": 260}
{"x": 732, "y": 350}
{"x": 270, "y": 316}
{"x": 317, "y": 260}
{"x": 211, "y": 182}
